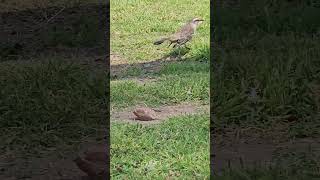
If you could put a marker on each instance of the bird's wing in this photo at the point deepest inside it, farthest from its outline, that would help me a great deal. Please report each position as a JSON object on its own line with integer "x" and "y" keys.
{"x": 186, "y": 29}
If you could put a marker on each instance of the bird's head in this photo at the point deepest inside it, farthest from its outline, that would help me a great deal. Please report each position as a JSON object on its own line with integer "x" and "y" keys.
{"x": 197, "y": 20}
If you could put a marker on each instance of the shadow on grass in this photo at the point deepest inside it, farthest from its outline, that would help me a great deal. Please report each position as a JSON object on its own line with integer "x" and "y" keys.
{"x": 199, "y": 56}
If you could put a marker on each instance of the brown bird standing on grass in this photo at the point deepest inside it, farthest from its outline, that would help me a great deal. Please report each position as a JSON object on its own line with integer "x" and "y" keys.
{"x": 182, "y": 36}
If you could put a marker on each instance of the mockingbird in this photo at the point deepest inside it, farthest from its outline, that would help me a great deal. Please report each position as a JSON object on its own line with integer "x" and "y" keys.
{"x": 182, "y": 36}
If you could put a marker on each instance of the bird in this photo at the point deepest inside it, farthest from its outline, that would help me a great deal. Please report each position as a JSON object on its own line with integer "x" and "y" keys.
{"x": 145, "y": 114}
{"x": 93, "y": 162}
{"x": 183, "y": 35}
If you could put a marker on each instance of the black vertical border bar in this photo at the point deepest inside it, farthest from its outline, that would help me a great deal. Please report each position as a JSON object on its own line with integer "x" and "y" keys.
{"x": 212, "y": 26}
{"x": 107, "y": 95}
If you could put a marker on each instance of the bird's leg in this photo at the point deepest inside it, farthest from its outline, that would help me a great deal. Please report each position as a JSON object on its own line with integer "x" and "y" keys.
{"x": 175, "y": 45}
{"x": 185, "y": 46}
{"x": 179, "y": 49}
{"x": 179, "y": 53}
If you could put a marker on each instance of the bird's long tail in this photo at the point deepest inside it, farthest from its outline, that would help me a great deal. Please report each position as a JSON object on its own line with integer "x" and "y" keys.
{"x": 160, "y": 41}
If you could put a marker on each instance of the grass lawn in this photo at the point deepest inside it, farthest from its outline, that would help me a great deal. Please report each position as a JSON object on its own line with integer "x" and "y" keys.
{"x": 266, "y": 77}
{"x": 178, "y": 147}
{"x": 175, "y": 83}
{"x": 41, "y": 101}
{"x": 135, "y": 25}
{"x": 52, "y": 95}
{"x": 17, "y": 5}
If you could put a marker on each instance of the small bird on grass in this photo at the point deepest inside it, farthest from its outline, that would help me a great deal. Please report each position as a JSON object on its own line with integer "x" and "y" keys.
{"x": 183, "y": 35}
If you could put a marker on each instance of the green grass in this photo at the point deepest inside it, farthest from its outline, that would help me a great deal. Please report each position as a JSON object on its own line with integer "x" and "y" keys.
{"x": 264, "y": 74}
{"x": 77, "y": 26}
{"x": 184, "y": 68}
{"x": 18, "y": 5}
{"x": 265, "y": 78}
{"x": 196, "y": 65}
{"x": 135, "y": 25}
{"x": 296, "y": 165}
{"x": 176, "y": 83}
{"x": 48, "y": 104}
{"x": 82, "y": 33}
{"x": 271, "y": 173}
{"x": 178, "y": 148}
{"x": 265, "y": 17}
{"x": 282, "y": 77}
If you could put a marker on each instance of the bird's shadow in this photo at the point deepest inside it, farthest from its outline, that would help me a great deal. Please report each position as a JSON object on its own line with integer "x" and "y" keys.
{"x": 178, "y": 52}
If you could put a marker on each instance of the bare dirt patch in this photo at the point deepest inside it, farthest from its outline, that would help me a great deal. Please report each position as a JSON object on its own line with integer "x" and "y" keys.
{"x": 162, "y": 113}
{"x": 116, "y": 59}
